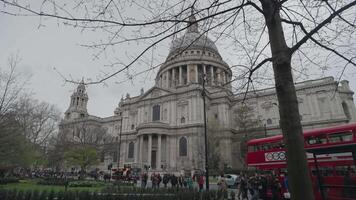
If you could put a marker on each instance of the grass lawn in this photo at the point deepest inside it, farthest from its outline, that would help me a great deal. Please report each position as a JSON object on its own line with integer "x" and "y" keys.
{"x": 32, "y": 185}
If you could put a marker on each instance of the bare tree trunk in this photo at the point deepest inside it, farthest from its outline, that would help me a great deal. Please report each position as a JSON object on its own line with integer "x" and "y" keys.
{"x": 299, "y": 179}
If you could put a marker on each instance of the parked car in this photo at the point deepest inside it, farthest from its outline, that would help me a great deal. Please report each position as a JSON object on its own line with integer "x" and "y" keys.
{"x": 231, "y": 180}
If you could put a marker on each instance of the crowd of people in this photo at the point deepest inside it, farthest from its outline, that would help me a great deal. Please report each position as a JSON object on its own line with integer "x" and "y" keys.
{"x": 173, "y": 180}
{"x": 253, "y": 187}
{"x": 256, "y": 187}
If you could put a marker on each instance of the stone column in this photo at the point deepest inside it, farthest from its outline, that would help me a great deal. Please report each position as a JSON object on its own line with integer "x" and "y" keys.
{"x": 167, "y": 79}
{"x": 180, "y": 75}
{"x": 149, "y": 149}
{"x": 188, "y": 74}
{"x": 141, "y": 150}
{"x": 159, "y": 149}
{"x": 173, "y": 77}
{"x": 136, "y": 150}
{"x": 212, "y": 74}
{"x": 219, "y": 74}
{"x": 223, "y": 78}
{"x": 123, "y": 151}
{"x": 196, "y": 74}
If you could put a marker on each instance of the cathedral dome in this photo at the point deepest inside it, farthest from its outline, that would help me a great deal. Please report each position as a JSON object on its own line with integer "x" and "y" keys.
{"x": 192, "y": 39}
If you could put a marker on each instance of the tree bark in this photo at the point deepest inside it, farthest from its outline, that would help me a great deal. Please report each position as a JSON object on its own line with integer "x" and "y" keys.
{"x": 299, "y": 180}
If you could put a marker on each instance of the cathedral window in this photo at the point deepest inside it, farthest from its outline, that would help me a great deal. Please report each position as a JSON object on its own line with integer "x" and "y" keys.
{"x": 131, "y": 150}
{"x": 269, "y": 121}
{"x": 156, "y": 111}
{"x": 132, "y": 126}
{"x": 183, "y": 147}
{"x": 182, "y": 120}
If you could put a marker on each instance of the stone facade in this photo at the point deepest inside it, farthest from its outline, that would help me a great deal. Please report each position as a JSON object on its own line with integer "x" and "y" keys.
{"x": 163, "y": 127}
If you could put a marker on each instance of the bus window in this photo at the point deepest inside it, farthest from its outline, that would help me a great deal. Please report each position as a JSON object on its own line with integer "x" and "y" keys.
{"x": 257, "y": 148}
{"x": 324, "y": 171}
{"x": 320, "y": 139}
{"x": 343, "y": 170}
{"x": 340, "y": 137}
{"x": 251, "y": 148}
{"x": 277, "y": 145}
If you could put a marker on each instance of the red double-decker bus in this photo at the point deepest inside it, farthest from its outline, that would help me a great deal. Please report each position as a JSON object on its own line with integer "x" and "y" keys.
{"x": 331, "y": 154}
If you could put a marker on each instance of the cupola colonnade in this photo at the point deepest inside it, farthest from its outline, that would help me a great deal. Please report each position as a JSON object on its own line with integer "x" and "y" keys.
{"x": 188, "y": 73}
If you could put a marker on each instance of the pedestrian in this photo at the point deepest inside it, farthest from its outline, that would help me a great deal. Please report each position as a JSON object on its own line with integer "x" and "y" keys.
{"x": 262, "y": 187}
{"x": 242, "y": 188}
{"x": 165, "y": 180}
{"x": 144, "y": 178}
{"x": 254, "y": 186}
{"x": 222, "y": 188}
{"x": 201, "y": 182}
{"x": 159, "y": 179}
{"x": 189, "y": 182}
{"x": 180, "y": 181}
{"x": 348, "y": 191}
{"x": 174, "y": 180}
{"x": 276, "y": 188}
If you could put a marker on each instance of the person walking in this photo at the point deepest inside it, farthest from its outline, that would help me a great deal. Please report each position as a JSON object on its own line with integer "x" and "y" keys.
{"x": 222, "y": 188}
{"x": 242, "y": 194}
{"x": 174, "y": 180}
{"x": 180, "y": 181}
{"x": 165, "y": 180}
{"x": 201, "y": 182}
{"x": 276, "y": 188}
{"x": 144, "y": 179}
{"x": 255, "y": 185}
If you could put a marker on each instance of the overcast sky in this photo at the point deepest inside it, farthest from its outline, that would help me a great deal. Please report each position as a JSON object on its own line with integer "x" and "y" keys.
{"x": 56, "y": 46}
{"x": 43, "y": 49}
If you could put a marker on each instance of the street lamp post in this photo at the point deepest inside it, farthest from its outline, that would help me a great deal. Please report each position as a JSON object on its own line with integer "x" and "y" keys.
{"x": 265, "y": 129}
{"x": 206, "y": 139}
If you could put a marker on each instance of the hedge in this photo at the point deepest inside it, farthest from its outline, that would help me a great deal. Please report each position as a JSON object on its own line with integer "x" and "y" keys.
{"x": 85, "y": 195}
{"x": 7, "y": 180}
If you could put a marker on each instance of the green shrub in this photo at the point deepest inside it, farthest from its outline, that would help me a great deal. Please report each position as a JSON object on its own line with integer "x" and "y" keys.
{"x": 7, "y": 180}
{"x": 19, "y": 195}
{"x": 51, "y": 195}
{"x": 86, "y": 184}
{"x": 54, "y": 181}
{"x": 60, "y": 195}
{"x": 28, "y": 195}
{"x": 35, "y": 194}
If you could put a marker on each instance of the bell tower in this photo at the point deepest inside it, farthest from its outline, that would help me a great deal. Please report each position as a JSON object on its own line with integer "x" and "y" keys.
{"x": 78, "y": 103}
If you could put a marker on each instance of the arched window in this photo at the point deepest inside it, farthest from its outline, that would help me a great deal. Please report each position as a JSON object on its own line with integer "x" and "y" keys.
{"x": 346, "y": 110}
{"x": 132, "y": 126}
{"x": 182, "y": 120}
{"x": 183, "y": 147}
{"x": 156, "y": 111}
{"x": 269, "y": 121}
{"x": 131, "y": 150}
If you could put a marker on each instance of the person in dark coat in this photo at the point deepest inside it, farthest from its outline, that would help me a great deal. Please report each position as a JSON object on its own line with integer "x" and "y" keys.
{"x": 348, "y": 191}
{"x": 174, "y": 180}
{"x": 165, "y": 180}
{"x": 275, "y": 188}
